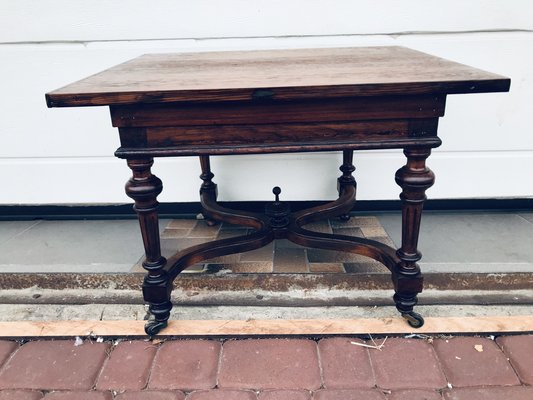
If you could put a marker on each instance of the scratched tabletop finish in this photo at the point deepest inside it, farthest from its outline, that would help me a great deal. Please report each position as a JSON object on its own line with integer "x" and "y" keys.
{"x": 276, "y": 74}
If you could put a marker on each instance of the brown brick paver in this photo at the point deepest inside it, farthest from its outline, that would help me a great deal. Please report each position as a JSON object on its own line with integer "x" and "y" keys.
{"x": 269, "y": 364}
{"x": 493, "y": 393}
{"x": 466, "y": 366}
{"x": 263, "y": 254}
{"x": 202, "y": 230}
{"x": 128, "y": 367}
{"x": 344, "y": 364}
{"x": 519, "y": 349}
{"x": 151, "y": 395}
{"x": 327, "y": 268}
{"x": 407, "y": 364}
{"x": 348, "y": 394}
{"x": 181, "y": 224}
{"x": 20, "y": 395}
{"x": 186, "y": 365}
{"x": 270, "y": 369}
{"x": 415, "y": 394}
{"x": 79, "y": 396}
{"x": 289, "y": 260}
{"x": 6, "y": 349}
{"x": 54, "y": 365}
{"x": 285, "y": 395}
{"x": 222, "y": 395}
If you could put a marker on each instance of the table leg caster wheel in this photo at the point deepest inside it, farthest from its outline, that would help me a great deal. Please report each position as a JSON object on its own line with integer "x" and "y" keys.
{"x": 153, "y": 327}
{"x": 211, "y": 222}
{"x": 414, "y": 319}
{"x": 207, "y": 220}
{"x": 345, "y": 217}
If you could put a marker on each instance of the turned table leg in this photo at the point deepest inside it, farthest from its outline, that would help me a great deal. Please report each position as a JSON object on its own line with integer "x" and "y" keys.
{"x": 414, "y": 178}
{"x": 143, "y": 188}
{"x": 208, "y": 186}
{"x": 346, "y": 179}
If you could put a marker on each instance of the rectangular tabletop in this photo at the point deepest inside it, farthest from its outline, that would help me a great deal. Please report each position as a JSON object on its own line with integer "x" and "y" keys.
{"x": 277, "y": 102}
{"x": 276, "y": 75}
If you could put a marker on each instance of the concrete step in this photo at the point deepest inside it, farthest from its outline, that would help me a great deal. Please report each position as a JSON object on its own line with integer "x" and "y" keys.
{"x": 128, "y": 312}
{"x": 296, "y": 297}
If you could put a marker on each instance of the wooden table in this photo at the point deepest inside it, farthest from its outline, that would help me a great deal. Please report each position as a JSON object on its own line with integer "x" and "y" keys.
{"x": 256, "y": 102}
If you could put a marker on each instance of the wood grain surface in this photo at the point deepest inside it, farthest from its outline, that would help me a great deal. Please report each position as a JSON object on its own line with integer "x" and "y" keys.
{"x": 272, "y": 112}
{"x": 361, "y": 326}
{"x": 276, "y": 75}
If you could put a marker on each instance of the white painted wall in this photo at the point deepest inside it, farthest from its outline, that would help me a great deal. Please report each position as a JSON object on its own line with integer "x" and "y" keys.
{"x": 66, "y": 155}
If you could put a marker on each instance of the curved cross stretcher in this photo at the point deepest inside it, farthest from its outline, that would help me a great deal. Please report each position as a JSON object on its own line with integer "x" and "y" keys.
{"x": 276, "y": 223}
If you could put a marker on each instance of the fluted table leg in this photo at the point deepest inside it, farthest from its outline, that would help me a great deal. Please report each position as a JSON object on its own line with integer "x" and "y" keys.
{"x": 414, "y": 178}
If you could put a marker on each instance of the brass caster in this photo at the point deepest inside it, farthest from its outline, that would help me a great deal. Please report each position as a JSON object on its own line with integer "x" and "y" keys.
{"x": 345, "y": 217}
{"x": 414, "y": 319}
{"x": 207, "y": 220}
{"x": 153, "y": 327}
{"x": 211, "y": 222}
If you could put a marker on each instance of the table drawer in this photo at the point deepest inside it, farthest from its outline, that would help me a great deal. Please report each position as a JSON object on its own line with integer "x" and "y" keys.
{"x": 258, "y": 138}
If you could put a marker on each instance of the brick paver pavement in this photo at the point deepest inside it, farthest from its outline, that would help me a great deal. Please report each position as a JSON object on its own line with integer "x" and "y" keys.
{"x": 151, "y": 395}
{"x": 127, "y": 367}
{"x": 54, "y": 365}
{"x": 270, "y": 364}
{"x": 285, "y": 395}
{"x": 222, "y": 394}
{"x": 415, "y": 394}
{"x": 345, "y": 365}
{"x": 459, "y": 368}
{"x": 20, "y": 395}
{"x": 186, "y": 365}
{"x": 406, "y": 364}
{"x": 471, "y": 361}
{"x": 522, "y": 361}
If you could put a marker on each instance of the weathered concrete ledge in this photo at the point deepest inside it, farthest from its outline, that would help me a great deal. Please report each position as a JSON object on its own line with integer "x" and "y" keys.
{"x": 270, "y": 282}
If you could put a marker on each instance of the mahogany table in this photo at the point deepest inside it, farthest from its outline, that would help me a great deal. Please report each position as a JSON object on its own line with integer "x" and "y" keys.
{"x": 255, "y": 102}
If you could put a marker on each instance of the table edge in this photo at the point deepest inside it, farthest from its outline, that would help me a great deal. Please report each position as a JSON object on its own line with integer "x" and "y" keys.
{"x": 54, "y": 99}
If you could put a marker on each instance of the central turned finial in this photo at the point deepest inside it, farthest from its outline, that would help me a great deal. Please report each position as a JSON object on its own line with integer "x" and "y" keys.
{"x": 278, "y": 211}
{"x": 277, "y": 192}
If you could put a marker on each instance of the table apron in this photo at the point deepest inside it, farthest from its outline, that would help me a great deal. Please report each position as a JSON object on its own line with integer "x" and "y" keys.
{"x": 277, "y": 138}
{"x": 278, "y": 112}
{"x": 176, "y": 129}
